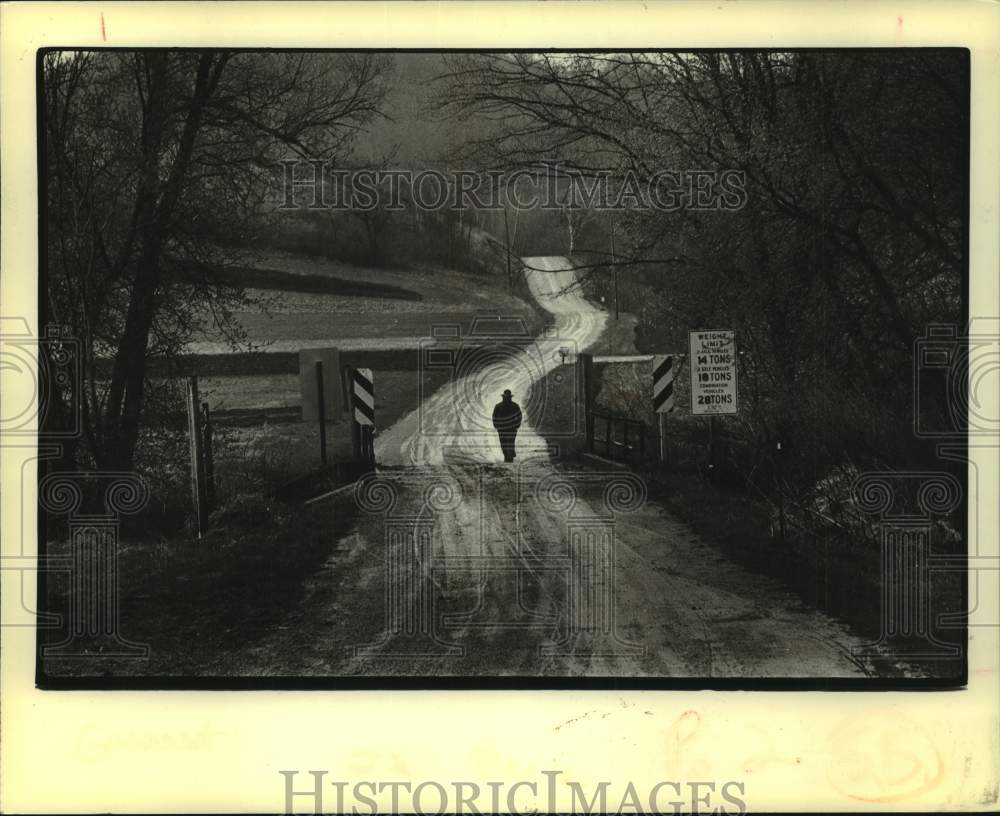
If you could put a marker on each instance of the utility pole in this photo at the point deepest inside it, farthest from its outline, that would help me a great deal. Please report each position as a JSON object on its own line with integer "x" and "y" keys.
{"x": 614, "y": 266}
{"x": 506, "y": 228}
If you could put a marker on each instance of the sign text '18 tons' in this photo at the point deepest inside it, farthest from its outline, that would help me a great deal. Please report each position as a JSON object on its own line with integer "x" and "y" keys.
{"x": 713, "y": 372}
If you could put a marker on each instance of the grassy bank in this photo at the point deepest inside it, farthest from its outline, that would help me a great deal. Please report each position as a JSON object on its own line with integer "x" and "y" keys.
{"x": 198, "y": 605}
{"x": 278, "y": 280}
{"x": 836, "y": 572}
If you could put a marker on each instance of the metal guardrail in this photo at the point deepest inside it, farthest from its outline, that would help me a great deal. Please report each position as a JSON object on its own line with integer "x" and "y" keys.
{"x": 616, "y": 437}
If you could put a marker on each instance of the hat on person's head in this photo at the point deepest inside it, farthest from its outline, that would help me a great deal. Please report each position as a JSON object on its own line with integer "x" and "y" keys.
{"x": 507, "y": 393}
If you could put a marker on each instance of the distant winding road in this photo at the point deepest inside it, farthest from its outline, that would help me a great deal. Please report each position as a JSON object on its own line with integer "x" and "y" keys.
{"x": 456, "y": 420}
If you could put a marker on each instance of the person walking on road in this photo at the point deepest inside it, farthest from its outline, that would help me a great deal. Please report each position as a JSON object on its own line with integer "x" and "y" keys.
{"x": 507, "y": 419}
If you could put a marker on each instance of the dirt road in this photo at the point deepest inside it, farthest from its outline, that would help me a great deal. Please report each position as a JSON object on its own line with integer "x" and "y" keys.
{"x": 456, "y": 421}
{"x": 462, "y": 565}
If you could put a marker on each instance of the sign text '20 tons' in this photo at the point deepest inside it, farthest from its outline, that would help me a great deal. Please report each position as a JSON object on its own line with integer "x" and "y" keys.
{"x": 713, "y": 372}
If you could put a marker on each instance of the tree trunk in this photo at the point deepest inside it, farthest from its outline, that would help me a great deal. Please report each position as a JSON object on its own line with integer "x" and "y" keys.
{"x": 155, "y": 203}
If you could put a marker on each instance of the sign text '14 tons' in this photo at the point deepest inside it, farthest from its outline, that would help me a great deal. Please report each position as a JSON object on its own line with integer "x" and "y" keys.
{"x": 713, "y": 372}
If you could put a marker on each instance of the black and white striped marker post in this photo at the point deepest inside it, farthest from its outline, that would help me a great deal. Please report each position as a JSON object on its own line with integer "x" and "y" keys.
{"x": 363, "y": 396}
{"x": 363, "y": 409}
{"x": 663, "y": 383}
{"x": 663, "y": 395}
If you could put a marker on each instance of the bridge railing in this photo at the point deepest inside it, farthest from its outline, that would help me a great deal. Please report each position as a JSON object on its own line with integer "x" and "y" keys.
{"x": 616, "y": 437}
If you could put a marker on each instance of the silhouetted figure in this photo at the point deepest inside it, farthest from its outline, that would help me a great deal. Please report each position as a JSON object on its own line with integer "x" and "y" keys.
{"x": 507, "y": 419}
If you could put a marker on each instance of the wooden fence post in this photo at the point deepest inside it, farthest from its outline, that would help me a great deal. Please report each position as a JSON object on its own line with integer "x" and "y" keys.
{"x": 197, "y": 465}
{"x": 781, "y": 492}
{"x": 321, "y": 409}
{"x": 208, "y": 456}
{"x": 585, "y": 374}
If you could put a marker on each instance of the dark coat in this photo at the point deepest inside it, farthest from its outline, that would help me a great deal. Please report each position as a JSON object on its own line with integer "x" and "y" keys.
{"x": 507, "y": 417}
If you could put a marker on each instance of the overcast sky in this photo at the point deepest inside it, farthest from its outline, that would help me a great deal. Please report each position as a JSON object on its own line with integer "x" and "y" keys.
{"x": 410, "y": 114}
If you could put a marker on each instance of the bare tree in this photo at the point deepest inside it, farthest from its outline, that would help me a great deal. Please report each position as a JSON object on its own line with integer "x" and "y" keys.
{"x": 851, "y": 237}
{"x": 860, "y": 149}
{"x": 375, "y": 219}
{"x": 154, "y": 158}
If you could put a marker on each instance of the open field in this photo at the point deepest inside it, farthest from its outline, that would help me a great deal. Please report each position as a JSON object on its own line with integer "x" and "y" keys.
{"x": 396, "y": 392}
{"x": 283, "y": 281}
{"x": 380, "y": 317}
{"x": 441, "y": 296}
{"x": 348, "y": 330}
{"x": 436, "y": 285}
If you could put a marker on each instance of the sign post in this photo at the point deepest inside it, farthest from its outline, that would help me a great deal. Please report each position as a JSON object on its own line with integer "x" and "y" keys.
{"x": 663, "y": 437}
{"x": 663, "y": 395}
{"x": 332, "y": 401}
